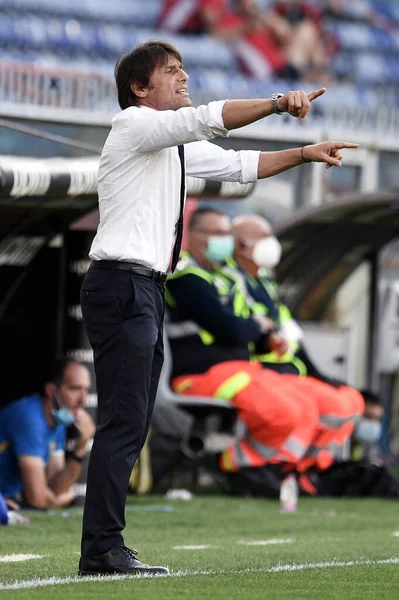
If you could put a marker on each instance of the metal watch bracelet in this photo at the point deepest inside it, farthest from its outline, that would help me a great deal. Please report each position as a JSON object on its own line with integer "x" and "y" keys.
{"x": 275, "y": 109}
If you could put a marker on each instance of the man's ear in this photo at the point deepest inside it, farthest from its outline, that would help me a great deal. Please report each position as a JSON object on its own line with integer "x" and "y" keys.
{"x": 49, "y": 390}
{"x": 138, "y": 90}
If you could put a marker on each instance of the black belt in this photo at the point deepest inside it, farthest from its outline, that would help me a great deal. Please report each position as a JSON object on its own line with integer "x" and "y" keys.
{"x": 129, "y": 266}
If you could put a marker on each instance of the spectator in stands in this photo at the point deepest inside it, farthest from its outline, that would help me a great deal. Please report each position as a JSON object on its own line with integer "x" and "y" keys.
{"x": 33, "y": 470}
{"x": 296, "y": 28}
{"x": 361, "y": 12}
{"x": 254, "y": 44}
{"x": 211, "y": 328}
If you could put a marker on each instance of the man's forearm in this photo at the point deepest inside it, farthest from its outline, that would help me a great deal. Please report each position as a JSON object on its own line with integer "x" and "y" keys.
{"x": 238, "y": 113}
{"x": 47, "y": 498}
{"x": 272, "y": 163}
{"x": 62, "y": 481}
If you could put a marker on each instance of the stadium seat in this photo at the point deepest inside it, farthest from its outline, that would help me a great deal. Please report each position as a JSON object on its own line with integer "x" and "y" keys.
{"x": 87, "y": 36}
{"x": 137, "y": 12}
{"x": 193, "y": 404}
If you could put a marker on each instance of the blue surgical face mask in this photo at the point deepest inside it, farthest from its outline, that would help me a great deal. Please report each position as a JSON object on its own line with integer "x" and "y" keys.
{"x": 368, "y": 431}
{"x": 220, "y": 248}
{"x": 62, "y": 415}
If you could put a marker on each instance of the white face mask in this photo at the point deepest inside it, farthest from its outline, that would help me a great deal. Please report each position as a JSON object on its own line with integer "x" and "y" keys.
{"x": 267, "y": 252}
{"x": 368, "y": 431}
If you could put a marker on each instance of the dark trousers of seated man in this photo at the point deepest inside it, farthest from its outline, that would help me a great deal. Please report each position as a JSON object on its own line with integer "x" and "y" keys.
{"x": 123, "y": 315}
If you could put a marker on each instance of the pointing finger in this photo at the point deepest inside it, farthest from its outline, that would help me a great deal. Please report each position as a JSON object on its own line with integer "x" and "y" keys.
{"x": 341, "y": 145}
{"x": 316, "y": 94}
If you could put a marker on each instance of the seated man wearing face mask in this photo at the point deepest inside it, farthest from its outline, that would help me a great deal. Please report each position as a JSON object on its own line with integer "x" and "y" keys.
{"x": 256, "y": 253}
{"x": 366, "y": 473}
{"x": 210, "y": 329}
{"x": 368, "y": 431}
{"x": 33, "y": 470}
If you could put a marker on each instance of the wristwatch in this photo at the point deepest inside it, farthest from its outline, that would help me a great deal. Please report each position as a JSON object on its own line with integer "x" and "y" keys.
{"x": 77, "y": 458}
{"x": 275, "y": 110}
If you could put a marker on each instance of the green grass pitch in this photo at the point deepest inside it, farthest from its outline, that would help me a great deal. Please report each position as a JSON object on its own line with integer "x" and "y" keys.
{"x": 330, "y": 549}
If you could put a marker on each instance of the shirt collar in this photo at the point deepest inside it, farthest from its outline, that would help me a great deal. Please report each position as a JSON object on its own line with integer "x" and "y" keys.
{"x": 146, "y": 108}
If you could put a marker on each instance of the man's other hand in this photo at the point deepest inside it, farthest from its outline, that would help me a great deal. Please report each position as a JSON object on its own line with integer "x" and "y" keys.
{"x": 297, "y": 103}
{"x": 265, "y": 323}
{"x": 277, "y": 343}
{"x": 86, "y": 428}
{"x": 327, "y": 152}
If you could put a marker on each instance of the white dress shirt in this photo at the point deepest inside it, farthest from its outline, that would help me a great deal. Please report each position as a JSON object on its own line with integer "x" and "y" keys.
{"x": 139, "y": 178}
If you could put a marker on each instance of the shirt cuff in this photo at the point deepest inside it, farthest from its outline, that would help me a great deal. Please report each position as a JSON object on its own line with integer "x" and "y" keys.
{"x": 249, "y": 165}
{"x": 216, "y": 124}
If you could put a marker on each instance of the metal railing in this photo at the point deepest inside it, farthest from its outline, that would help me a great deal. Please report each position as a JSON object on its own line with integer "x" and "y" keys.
{"x": 56, "y": 88}
{"x": 92, "y": 92}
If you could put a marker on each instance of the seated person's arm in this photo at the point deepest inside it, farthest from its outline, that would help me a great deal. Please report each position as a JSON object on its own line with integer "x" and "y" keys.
{"x": 62, "y": 475}
{"x": 29, "y": 446}
{"x": 198, "y": 300}
{"x": 214, "y": 24}
{"x": 36, "y": 491}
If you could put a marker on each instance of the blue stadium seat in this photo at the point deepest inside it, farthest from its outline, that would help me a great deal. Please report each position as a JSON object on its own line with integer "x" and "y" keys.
{"x": 373, "y": 69}
{"x": 88, "y": 36}
{"x": 137, "y": 12}
{"x": 7, "y": 32}
{"x": 354, "y": 36}
{"x": 389, "y": 10}
{"x": 201, "y": 51}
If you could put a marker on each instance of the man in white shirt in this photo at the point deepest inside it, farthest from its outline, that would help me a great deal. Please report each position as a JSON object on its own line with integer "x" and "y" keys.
{"x": 154, "y": 142}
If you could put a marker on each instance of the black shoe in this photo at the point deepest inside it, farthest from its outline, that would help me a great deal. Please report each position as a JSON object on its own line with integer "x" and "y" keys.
{"x": 118, "y": 560}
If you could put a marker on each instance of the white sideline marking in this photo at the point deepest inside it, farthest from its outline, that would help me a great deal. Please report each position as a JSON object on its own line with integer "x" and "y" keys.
{"x": 269, "y": 542}
{"x": 198, "y": 547}
{"x": 19, "y": 557}
{"x": 36, "y": 583}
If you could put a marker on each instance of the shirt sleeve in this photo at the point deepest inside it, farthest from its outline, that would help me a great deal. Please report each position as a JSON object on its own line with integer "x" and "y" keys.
{"x": 204, "y": 159}
{"x": 149, "y": 131}
{"x": 25, "y": 432}
{"x": 199, "y": 301}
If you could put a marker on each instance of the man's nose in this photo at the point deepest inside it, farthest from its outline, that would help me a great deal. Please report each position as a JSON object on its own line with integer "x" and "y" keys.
{"x": 184, "y": 76}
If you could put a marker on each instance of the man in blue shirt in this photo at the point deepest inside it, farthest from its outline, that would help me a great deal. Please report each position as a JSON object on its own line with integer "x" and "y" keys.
{"x": 32, "y": 438}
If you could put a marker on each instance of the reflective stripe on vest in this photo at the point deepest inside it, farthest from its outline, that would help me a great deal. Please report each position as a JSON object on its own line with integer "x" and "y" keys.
{"x": 221, "y": 281}
{"x": 182, "y": 386}
{"x": 287, "y": 358}
{"x": 262, "y": 449}
{"x": 187, "y": 328}
{"x": 294, "y": 447}
{"x": 182, "y": 329}
{"x": 335, "y": 422}
{"x": 232, "y": 386}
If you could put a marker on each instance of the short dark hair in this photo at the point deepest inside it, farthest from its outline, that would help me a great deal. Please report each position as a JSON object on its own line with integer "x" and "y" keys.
{"x": 370, "y": 398}
{"x": 196, "y": 216}
{"x": 56, "y": 372}
{"x": 137, "y": 67}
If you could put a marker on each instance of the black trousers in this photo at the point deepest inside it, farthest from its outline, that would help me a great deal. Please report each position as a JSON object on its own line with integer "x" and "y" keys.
{"x": 123, "y": 315}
